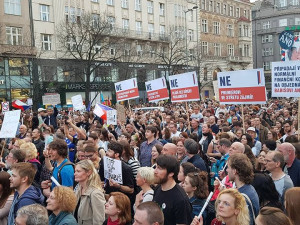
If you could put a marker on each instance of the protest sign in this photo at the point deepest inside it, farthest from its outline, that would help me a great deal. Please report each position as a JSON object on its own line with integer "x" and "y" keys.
{"x": 113, "y": 169}
{"x": 157, "y": 89}
{"x": 5, "y": 106}
{"x": 286, "y": 79}
{"x": 112, "y": 117}
{"x": 216, "y": 90}
{"x": 126, "y": 89}
{"x": 121, "y": 113}
{"x": 29, "y": 101}
{"x": 77, "y": 103}
{"x": 242, "y": 87}
{"x": 184, "y": 87}
{"x": 98, "y": 111}
{"x": 51, "y": 99}
{"x": 10, "y": 124}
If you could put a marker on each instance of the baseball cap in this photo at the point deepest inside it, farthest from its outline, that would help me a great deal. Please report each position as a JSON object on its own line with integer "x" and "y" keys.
{"x": 41, "y": 109}
{"x": 251, "y": 129}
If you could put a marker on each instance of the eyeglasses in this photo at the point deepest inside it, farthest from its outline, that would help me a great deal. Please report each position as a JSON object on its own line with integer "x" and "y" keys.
{"x": 89, "y": 156}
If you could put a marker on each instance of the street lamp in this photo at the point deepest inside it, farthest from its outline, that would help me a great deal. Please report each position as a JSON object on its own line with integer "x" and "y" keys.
{"x": 186, "y": 34}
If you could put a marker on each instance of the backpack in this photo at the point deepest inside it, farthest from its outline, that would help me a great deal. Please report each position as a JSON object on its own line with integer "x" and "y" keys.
{"x": 59, "y": 171}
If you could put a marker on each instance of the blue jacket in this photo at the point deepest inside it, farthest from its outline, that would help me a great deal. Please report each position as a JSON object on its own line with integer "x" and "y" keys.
{"x": 31, "y": 196}
{"x": 198, "y": 162}
{"x": 63, "y": 218}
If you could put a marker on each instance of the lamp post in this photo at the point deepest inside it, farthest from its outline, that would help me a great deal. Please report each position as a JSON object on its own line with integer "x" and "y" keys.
{"x": 186, "y": 35}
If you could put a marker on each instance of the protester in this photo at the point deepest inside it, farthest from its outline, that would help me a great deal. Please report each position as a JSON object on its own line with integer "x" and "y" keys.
{"x": 181, "y": 152}
{"x": 34, "y": 214}
{"x": 128, "y": 157}
{"x": 148, "y": 213}
{"x": 271, "y": 215}
{"x": 155, "y": 152}
{"x": 184, "y": 169}
{"x": 39, "y": 144}
{"x": 6, "y": 197}
{"x": 206, "y": 138}
{"x": 117, "y": 209}
{"x": 169, "y": 149}
{"x": 292, "y": 204}
{"x": 50, "y": 118}
{"x": 62, "y": 202}
{"x": 90, "y": 194}
{"x": 260, "y": 161}
{"x": 192, "y": 148}
{"x": 14, "y": 156}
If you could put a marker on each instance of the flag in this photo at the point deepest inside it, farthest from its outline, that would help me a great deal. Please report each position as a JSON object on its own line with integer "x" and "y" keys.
{"x": 20, "y": 105}
{"x": 102, "y": 98}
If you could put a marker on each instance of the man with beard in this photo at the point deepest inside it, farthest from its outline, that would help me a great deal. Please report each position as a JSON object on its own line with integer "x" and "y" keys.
{"x": 176, "y": 210}
{"x": 288, "y": 130}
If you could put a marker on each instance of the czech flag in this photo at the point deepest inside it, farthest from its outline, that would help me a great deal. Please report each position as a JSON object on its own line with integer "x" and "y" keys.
{"x": 20, "y": 105}
{"x": 101, "y": 111}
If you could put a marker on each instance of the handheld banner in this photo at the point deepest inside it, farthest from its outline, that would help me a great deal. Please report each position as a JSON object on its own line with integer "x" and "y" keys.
{"x": 242, "y": 87}
{"x": 113, "y": 169}
{"x": 184, "y": 87}
{"x": 157, "y": 89}
{"x": 126, "y": 89}
{"x": 10, "y": 124}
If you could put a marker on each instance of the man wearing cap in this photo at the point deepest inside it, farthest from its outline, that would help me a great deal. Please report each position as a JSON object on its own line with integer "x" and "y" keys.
{"x": 257, "y": 144}
{"x": 41, "y": 116}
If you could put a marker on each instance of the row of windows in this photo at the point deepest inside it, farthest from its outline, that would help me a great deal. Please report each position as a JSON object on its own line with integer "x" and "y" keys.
{"x": 284, "y": 3}
{"x": 217, "y": 49}
{"x": 224, "y": 9}
{"x": 281, "y": 23}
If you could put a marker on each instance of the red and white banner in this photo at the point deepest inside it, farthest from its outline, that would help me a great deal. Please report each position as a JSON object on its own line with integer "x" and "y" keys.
{"x": 157, "y": 89}
{"x": 126, "y": 89}
{"x": 242, "y": 87}
{"x": 184, "y": 87}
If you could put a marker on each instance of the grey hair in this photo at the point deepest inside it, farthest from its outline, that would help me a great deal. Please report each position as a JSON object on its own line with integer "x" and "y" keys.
{"x": 192, "y": 147}
{"x": 36, "y": 214}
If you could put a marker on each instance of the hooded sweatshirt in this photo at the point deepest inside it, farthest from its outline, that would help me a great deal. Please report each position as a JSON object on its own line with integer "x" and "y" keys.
{"x": 32, "y": 195}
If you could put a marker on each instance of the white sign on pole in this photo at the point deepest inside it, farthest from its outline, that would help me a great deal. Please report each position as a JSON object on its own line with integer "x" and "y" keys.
{"x": 113, "y": 169}
{"x": 51, "y": 99}
{"x": 77, "y": 103}
{"x": 10, "y": 124}
{"x": 111, "y": 117}
{"x": 5, "y": 106}
{"x": 126, "y": 89}
{"x": 157, "y": 89}
{"x": 286, "y": 79}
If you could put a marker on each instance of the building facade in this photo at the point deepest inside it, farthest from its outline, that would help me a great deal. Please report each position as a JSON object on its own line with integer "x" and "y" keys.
{"x": 270, "y": 18}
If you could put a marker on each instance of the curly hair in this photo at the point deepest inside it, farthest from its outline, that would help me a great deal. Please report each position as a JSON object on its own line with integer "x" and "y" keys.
{"x": 243, "y": 166}
{"x": 66, "y": 198}
{"x": 200, "y": 181}
{"x": 123, "y": 204}
{"x": 239, "y": 203}
{"x": 60, "y": 146}
{"x": 30, "y": 150}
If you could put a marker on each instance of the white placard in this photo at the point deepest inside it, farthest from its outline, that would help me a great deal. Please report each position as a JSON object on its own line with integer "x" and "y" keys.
{"x": 98, "y": 111}
{"x": 5, "y": 106}
{"x": 77, "y": 103}
{"x": 29, "y": 101}
{"x": 286, "y": 79}
{"x": 111, "y": 117}
{"x": 113, "y": 169}
{"x": 10, "y": 124}
{"x": 157, "y": 89}
{"x": 126, "y": 89}
{"x": 51, "y": 99}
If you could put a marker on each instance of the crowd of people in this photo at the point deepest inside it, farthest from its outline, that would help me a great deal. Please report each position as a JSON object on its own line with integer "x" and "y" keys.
{"x": 53, "y": 171}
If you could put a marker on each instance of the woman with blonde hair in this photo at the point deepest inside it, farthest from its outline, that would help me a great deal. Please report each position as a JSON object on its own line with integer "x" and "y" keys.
{"x": 90, "y": 195}
{"x": 231, "y": 208}
{"x": 292, "y": 204}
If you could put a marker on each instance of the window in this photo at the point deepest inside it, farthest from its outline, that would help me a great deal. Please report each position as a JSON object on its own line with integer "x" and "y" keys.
{"x": 44, "y": 12}
{"x": 246, "y": 31}
{"x": 71, "y": 44}
{"x": 162, "y": 31}
{"x": 139, "y": 50}
{"x": 245, "y": 13}
{"x": 297, "y": 21}
{"x": 267, "y": 38}
{"x": 204, "y": 48}
{"x": 12, "y": 7}
{"x": 150, "y": 7}
{"x": 95, "y": 19}
{"x": 152, "y": 51}
{"x": 218, "y": 7}
{"x": 224, "y": 9}
{"x": 72, "y": 14}
{"x": 125, "y": 4}
{"x": 110, "y": 2}
{"x": 203, "y": 4}
{"x": 138, "y": 5}
{"x": 190, "y": 35}
{"x": 283, "y": 22}
{"x": 266, "y": 65}
{"x": 211, "y": 6}
{"x": 94, "y": 0}
{"x": 150, "y": 29}
{"x": 217, "y": 49}
{"x": 237, "y": 12}
{"x": 230, "y": 10}
{"x": 97, "y": 47}
{"x": 125, "y": 24}
{"x": 46, "y": 42}
{"x": 266, "y": 25}
{"x": 161, "y": 9}
{"x": 230, "y": 30}
{"x": 127, "y": 49}
{"x": 282, "y": 3}
{"x": 230, "y": 50}
{"x": 267, "y": 51}
{"x": 216, "y": 28}
{"x": 295, "y": 2}
{"x": 204, "y": 26}
{"x": 191, "y": 54}
{"x": 112, "y": 50}
{"x": 14, "y": 36}
{"x": 111, "y": 20}
{"x": 18, "y": 66}
{"x": 138, "y": 27}
{"x": 246, "y": 50}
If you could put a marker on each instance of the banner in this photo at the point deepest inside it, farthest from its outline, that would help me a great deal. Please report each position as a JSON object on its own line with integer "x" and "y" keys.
{"x": 286, "y": 79}
{"x": 242, "y": 87}
{"x": 113, "y": 169}
{"x": 157, "y": 89}
{"x": 51, "y": 99}
{"x": 10, "y": 124}
{"x": 126, "y": 89}
{"x": 77, "y": 103}
{"x": 184, "y": 87}
{"x": 112, "y": 117}
{"x": 5, "y": 106}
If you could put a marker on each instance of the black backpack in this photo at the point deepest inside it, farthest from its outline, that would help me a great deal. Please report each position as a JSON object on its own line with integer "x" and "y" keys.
{"x": 59, "y": 171}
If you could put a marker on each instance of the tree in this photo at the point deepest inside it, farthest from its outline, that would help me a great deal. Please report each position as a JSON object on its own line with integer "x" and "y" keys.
{"x": 89, "y": 41}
